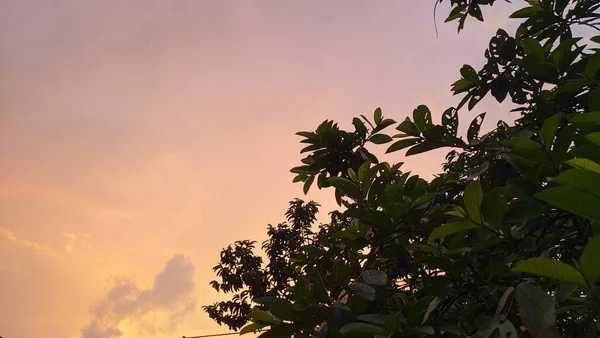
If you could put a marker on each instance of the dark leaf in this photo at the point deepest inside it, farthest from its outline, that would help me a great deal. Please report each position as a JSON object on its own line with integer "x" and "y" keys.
{"x": 499, "y": 87}
{"x": 536, "y": 304}
{"x": 423, "y": 147}
{"x": 549, "y": 128}
{"x": 366, "y": 291}
{"x": 422, "y": 118}
{"x": 361, "y": 328}
{"x": 308, "y": 183}
{"x": 380, "y": 139}
{"x": 408, "y": 127}
{"x": 374, "y": 277}
{"x": 474, "y": 127}
{"x": 451, "y": 228}
{"x": 526, "y": 12}
{"x": 399, "y": 145}
{"x": 589, "y": 261}
{"x": 472, "y": 200}
{"x": 377, "y": 116}
{"x": 594, "y": 100}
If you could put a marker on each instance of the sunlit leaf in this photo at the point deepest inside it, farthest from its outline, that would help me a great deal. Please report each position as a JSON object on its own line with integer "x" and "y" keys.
{"x": 550, "y": 268}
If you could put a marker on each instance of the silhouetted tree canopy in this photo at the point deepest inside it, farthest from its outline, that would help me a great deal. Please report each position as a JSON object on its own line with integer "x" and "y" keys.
{"x": 504, "y": 242}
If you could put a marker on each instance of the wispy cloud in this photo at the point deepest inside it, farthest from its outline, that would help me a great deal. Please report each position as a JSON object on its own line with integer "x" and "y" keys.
{"x": 44, "y": 249}
{"x": 76, "y": 240}
{"x": 172, "y": 294}
{"x": 7, "y": 234}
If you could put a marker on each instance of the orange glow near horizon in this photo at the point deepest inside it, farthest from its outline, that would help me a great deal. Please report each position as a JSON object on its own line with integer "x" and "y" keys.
{"x": 138, "y": 138}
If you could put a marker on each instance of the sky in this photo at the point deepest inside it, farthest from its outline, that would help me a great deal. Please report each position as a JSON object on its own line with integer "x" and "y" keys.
{"x": 140, "y": 137}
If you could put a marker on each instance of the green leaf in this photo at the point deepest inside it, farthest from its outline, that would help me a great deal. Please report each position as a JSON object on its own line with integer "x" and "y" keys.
{"x": 451, "y": 228}
{"x": 280, "y": 308}
{"x": 581, "y": 179}
{"x": 574, "y": 85}
{"x": 426, "y": 329}
{"x": 375, "y": 277}
{"x": 549, "y": 129}
{"x": 408, "y": 127}
{"x": 430, "y": 308}
{"x": 366, "y": 291}
{"x": 543, "y": 70}
{"x": 423, "y": 147}
{"x": 584, "y": 163}
{"x": 550, "y": 268}
{"x": 320, "y": 290}
{"x": 415, "y": 316}
{"x": 262, "y": 316}
{"x": 536, "y": 304}
{"x": 306, "y": 134}
{"x": 372, "y": 318}
{"x": 377, "y": 116}
{"x": 593, "y": 65}
{"x": 346, "y": 186}
{"x": 493, "y": 208}
{"x": 384, "y": 124}
{"x": 486, "y": 330}
{"x": 474, "y": 127}
{"x": 523, "y": 212}
{"x": 361, "y": 328}
{"x": 527, "y": 149}
{"x": 507, "y": 330}
{"x": 533, "y": 48}
{"x": 472, "y": 199}
{"x": 308, "y": 183}
{"x": 589, "y": 261}
{"x": 564, "y": 291}
{"x": 380, "y": 138}
{"x": 434, "y": 134}
{"x": 594, "y": 99}
{"x": 455, "y": 13}
{"x": 450, "y": 121}
{"x": 560, "y": 6}
{"x": 499, "y": 87}
{"x": 594, "y": 137}
{"x": 595, "y": 39}
{"x": 526, "y": 12}
{"x": 591, "y": 118}
{"x": 469, "y": 74}
{"x": 573, "y": 200}
{"x": 422, "y": 117}
{"x": 359, "y": 126}
{"x": 399, "y": 145}
{"x": 305, "y": 169}
{"x": 362, "y": 170}
{"x": 251, "y": 328}
{"x": 460, "y": 86}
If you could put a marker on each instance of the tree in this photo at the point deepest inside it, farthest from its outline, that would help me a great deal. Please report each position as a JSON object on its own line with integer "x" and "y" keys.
{"x": 503, "y": 243}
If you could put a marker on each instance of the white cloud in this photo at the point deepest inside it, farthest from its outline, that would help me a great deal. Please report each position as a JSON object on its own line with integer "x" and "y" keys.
{"x": 172, "y": 294}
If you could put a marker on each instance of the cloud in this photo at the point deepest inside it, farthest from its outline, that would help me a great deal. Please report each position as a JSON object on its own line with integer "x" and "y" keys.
{"x": 172, "y": 294}
{"x": 43, "y": 249}
{"x": 7, "y": 234}
{"x": 75, "y": 239}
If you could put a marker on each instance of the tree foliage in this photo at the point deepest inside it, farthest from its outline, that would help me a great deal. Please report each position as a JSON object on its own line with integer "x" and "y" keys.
{"x": 505, "y": 242}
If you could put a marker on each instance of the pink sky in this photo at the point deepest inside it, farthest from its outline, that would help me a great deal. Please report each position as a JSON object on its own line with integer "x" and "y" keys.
{"x": 139, "y": 137}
